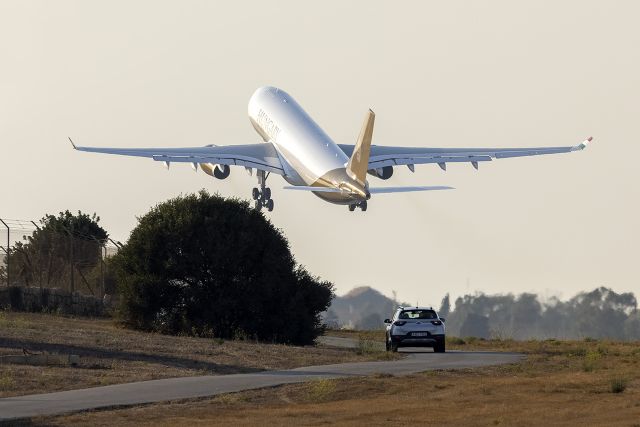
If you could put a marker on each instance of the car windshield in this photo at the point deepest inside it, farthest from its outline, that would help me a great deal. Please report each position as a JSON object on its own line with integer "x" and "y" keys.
{"x": 418, "y": 314}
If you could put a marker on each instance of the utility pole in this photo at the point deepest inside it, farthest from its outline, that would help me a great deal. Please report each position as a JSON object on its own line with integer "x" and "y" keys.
{"x": 39, "y": 270}
{"x": 7, "y": 251}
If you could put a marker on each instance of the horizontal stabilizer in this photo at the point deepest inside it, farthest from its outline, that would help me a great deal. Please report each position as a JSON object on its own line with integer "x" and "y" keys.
{"x": 381, "y": 190}
{"x": 315, "y": 189}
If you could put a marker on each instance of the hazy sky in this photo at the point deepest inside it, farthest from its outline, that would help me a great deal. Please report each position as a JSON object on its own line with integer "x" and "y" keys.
{"x": 437, "y": 73}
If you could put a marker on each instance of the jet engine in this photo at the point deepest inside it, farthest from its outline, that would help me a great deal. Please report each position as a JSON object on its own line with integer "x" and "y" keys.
{"x": 382, "y": 173}
{"x": 217, "y": 171}
{"x": 221, "y": 171}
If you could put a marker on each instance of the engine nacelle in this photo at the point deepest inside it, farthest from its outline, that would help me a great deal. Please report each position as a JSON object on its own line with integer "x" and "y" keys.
{"x": 217, "y": 171}
{"x": 221, "y": 171}
{"x": 382, "y": 173}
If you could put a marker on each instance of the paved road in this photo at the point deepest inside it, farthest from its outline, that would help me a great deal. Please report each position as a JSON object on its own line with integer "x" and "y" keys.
{"x": 417, "y": 360}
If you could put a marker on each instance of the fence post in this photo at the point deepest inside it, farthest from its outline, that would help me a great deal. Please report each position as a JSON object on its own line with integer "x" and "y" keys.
{"x": 103, "y": 254}
{"x": 102, "y": 257}
{"x": 7, "y": 251}
{"x": 73, "y": 285}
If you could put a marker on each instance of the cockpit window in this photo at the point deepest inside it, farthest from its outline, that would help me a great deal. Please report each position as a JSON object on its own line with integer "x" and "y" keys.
{"x": 418, "y": 314}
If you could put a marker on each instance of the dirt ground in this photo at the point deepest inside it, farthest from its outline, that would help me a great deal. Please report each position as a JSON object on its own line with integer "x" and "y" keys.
{"x": 560, "y": 383}
{"x": 110, "y": 354}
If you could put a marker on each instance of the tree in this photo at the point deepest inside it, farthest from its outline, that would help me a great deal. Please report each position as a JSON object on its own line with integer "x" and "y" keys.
{"x": 61, "y": 246}
{"x": 445, "y": 307}
{"x": 204, "y": 265}
{"x": 475, "y": 325}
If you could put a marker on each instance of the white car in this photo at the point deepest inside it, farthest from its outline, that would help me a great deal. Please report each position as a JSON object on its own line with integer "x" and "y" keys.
{"x": 415, "y": 327}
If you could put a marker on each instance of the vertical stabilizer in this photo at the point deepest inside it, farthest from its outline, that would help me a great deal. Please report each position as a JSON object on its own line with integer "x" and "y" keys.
{"x": 359, "y": 162}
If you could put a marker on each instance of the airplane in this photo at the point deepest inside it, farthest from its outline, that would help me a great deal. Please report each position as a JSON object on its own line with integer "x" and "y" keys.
{"x": 296, "y": 148}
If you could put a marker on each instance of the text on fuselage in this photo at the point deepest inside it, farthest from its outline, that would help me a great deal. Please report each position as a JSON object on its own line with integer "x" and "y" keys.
{"x": 268, "y": 125}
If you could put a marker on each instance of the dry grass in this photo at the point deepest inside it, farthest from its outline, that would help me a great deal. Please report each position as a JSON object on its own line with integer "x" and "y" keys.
{"x": 550, "y": 388}
{"x": 376, "y": 335}
{"x": 110, "y": 354}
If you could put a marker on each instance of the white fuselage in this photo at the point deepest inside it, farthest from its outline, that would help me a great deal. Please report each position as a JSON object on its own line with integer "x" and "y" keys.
{"x": 309, "y": 155}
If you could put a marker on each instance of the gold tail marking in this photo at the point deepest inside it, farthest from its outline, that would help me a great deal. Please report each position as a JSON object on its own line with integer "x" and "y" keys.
{"x": 359, "y": 162}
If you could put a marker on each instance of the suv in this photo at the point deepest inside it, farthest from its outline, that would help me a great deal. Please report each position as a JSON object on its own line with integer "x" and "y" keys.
{"x": 415, "y": 327}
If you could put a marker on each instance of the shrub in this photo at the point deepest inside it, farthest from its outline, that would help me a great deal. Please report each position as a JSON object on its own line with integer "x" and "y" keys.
{"x": 366, "y": 345}
{"x": 618, "y": 385}
{"x": 455, "y": 341}
{"x": 579, "y": 352}
{"x": 321, "y": 390}
{"x": 591, "y": 361}
{"x": 207, "y": 266}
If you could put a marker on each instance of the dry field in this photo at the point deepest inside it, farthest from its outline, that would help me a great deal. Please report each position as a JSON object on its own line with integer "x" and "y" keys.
{"x": 560, "y": 383}
{"x": 110, "y": 354}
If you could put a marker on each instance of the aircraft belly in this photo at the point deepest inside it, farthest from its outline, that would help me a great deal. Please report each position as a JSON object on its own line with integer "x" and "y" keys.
{"x": 336, "y": 199}
{"x": 279, "y": 119}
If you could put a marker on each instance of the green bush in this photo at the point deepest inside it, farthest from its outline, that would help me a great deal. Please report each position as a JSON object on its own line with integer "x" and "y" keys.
{"x": 591, "y": 361}
{"x": 618, "y": 385}
{"x": 208, "y": 266}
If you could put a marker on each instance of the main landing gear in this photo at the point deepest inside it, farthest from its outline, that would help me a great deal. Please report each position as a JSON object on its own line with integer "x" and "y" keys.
{"x": 362, "y": 205}
{"x": 262, "y": 196}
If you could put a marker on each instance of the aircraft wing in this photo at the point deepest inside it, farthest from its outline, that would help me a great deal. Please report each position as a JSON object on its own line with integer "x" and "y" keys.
{"x": 262, "y": 156}
{"x": 382, "y": 156}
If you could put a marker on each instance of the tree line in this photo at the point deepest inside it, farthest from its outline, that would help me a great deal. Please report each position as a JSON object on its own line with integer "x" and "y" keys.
{"x": 600, "y": 313}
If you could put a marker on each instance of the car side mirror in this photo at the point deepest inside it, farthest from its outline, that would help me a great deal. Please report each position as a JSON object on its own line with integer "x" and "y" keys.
{"x": 442, "y": 319}
{"x": 387, "y": 320}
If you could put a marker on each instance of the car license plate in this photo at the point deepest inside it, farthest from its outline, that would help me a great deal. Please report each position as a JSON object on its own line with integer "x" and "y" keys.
{"x": 420, "y": 334}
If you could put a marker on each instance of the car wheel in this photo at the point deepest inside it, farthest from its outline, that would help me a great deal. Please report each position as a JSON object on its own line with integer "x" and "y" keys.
{"x": 394, "y": 347}
{"x": 439, "y": 347}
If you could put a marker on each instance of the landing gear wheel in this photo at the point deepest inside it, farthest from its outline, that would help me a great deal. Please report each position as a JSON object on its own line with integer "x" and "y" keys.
{"x": 262, "y": 195}
{"x": 363, "y": 206}
{"x": 352, "y": 208}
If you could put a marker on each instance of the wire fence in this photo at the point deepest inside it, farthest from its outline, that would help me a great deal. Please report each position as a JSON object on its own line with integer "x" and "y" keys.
{"x": 35, "y": 256}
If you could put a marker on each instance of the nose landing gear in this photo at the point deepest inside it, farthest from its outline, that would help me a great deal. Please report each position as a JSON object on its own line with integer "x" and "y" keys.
{"x": 262, "y": 196}
{"x": 362, "y": 205}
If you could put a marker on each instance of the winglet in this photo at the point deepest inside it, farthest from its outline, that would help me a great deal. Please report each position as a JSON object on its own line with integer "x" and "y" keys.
{"x": 583, "y": 144}
{"x": 72, "y": 144}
